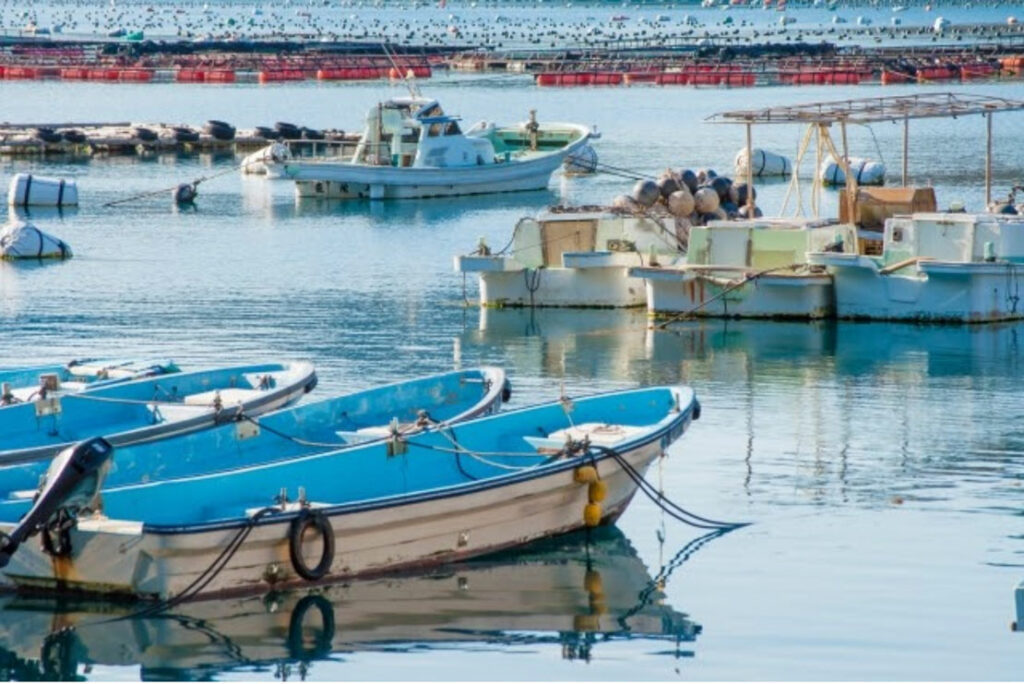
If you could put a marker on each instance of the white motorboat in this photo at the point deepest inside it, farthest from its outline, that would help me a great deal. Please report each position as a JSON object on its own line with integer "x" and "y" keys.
{"x": 755, "y": 268}
{"x": 935, "y": 267}
{"x": 578, "y": 258}
{"x": 410, "y": 148}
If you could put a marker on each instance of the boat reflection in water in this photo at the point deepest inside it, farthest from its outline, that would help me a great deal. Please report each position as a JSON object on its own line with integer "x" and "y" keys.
{"x": 579, "y": 590}
{"x": 600, "y": 344}
{"x": 623, "y": 346}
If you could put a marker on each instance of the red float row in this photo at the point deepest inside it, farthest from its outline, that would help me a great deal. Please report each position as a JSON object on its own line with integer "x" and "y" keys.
{"x": 368, "y": 73}
{"x": 187, "y": 75}
{"x": 696, "y": 76}
{"x": 825, "y": 77}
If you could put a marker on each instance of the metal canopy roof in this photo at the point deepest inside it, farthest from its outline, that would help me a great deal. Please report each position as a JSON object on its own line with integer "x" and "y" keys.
{"x": 873, "y": 109}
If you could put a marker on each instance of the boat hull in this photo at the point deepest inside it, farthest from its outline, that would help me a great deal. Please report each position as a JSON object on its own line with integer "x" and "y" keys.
{"x": 338, "y": 180}
{"x": 930, "y": 291}
{"x": 124, "y": 558}
{"x": 673, "y": 291}
{"x": 47, "y": 426}
{"x": 562, "y": 287}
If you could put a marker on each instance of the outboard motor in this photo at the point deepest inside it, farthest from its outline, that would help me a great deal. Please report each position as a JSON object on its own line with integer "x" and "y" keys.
{"x": 72, "y": 484}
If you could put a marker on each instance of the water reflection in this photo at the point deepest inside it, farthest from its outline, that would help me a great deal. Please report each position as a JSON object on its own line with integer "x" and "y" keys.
{"x": 431, "y": 210}
{"x": 577, "y": 592}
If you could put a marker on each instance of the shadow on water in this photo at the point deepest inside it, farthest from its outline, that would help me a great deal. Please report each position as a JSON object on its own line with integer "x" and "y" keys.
{"x": 576, "y": 592}
{"x": 430, "y": 210}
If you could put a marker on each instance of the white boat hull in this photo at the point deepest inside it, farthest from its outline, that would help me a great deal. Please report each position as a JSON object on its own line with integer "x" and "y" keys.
{"x": 673, "y": 291}
{"x": 564, "y": 287}
{"x": 124, "y": 558}
{"x": 338, "y": 180}
{"x": 974, "y": 292}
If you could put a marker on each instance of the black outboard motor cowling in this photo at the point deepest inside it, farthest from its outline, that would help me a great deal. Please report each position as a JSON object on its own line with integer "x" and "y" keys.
{"x": 72, "y": 483}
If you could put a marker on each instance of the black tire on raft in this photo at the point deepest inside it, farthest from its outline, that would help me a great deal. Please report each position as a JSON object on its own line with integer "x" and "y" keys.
{"x": 74, "y": 136}
{"x": 47, "y": 135}
{"x": 298, "y": 528}
{"x": 219, "y": 124}
{"x": 321, "y": 647}
{"x": 145, "y": 134}
{"x": 219, "y": 130}
{"x": 186, "y": 135}
{"x": 312, "y": 134}
{"x": 267, "y": 133}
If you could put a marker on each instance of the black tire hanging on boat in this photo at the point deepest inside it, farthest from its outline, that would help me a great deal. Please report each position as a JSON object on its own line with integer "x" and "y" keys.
{"x": 298, "y": 528}
{"x": 321, "y": 647}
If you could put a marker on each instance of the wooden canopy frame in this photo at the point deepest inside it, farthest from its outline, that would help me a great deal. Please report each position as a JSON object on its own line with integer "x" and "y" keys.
{"x": 819, "y": 117}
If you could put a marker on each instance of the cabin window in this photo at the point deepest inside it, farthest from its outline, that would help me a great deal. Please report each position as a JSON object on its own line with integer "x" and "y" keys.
{"x": 434, "y": 130}
{"x": 452, "y": 128}
{"x": 897, "y": 235}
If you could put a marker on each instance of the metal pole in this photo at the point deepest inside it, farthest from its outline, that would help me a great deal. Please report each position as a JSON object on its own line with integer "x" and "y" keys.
{"x": 851, "y": 182}
{"x": 988, "y": 160}
{"x": 906, "y": 141}
{"x": 750, "y": 174}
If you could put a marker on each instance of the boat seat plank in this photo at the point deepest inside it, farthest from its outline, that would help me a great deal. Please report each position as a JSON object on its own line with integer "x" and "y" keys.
{"x": 229, "y": 396}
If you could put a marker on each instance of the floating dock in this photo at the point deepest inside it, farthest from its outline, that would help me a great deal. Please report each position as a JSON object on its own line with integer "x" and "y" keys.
{"x": 88, "y": 139}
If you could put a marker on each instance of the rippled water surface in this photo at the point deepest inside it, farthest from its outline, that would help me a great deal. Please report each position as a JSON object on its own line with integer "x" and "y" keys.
{"x": 881, "y": 464}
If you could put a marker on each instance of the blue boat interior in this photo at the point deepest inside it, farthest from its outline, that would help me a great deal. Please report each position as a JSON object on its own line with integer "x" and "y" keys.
{"x": 509, "y": 444}
{"x": 316, "y": 427}
{"x": 89, "y": 373}
{"x": 121, "y": 407}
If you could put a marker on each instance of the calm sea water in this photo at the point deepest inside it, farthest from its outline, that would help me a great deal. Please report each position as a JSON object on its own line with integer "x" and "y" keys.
{"x": 882, "y": 465}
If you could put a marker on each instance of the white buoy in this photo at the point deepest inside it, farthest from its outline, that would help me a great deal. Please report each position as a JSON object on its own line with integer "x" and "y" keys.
{"x": 765, "y": 163}
{"x": 27, "y": 190}
{"x": 866, "y": 171}
{"x": 20, "y": 240}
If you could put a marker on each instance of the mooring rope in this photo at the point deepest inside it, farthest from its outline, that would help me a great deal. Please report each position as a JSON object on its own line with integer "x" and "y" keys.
{"x": 749, "y": 278}
{"x": 194, "y": 184}
{"x": 670, "y": 508}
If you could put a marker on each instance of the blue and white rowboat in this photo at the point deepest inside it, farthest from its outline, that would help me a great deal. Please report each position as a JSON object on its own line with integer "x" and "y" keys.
{"x": 25, "y": 384}
{"x": 446, "y": 494}
{"x": 149, "y": 408}
{"x": 290, "y": 433}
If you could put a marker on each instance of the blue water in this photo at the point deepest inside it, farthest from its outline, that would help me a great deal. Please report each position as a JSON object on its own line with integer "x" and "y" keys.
{"x": 881, "y": 464}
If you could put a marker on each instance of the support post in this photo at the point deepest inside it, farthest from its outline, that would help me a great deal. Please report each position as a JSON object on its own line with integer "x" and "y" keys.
{"x": 906, "y": 145}
{"x": 851, "y": 182}
{"x": 988, "y": 160}
{"x": 750, "y": 173}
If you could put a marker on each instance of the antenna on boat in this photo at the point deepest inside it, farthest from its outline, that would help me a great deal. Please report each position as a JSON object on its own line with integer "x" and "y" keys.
{"x": 413, "y": 90}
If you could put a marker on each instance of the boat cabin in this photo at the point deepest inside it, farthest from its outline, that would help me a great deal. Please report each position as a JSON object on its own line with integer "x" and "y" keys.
{"x": 415, "y": 132}
{"x": 953, "y": 237}
{"x": 766, "y": 243}
{"x": 543, "y": 241}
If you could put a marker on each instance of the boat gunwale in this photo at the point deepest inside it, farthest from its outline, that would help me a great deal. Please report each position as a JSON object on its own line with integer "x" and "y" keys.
{"x": 680, "y": 420}
{"x": 171, "y": 428}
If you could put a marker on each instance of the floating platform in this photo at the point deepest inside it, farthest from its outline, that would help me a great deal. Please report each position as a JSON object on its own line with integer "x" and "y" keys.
{"x": 89, "y": 139}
